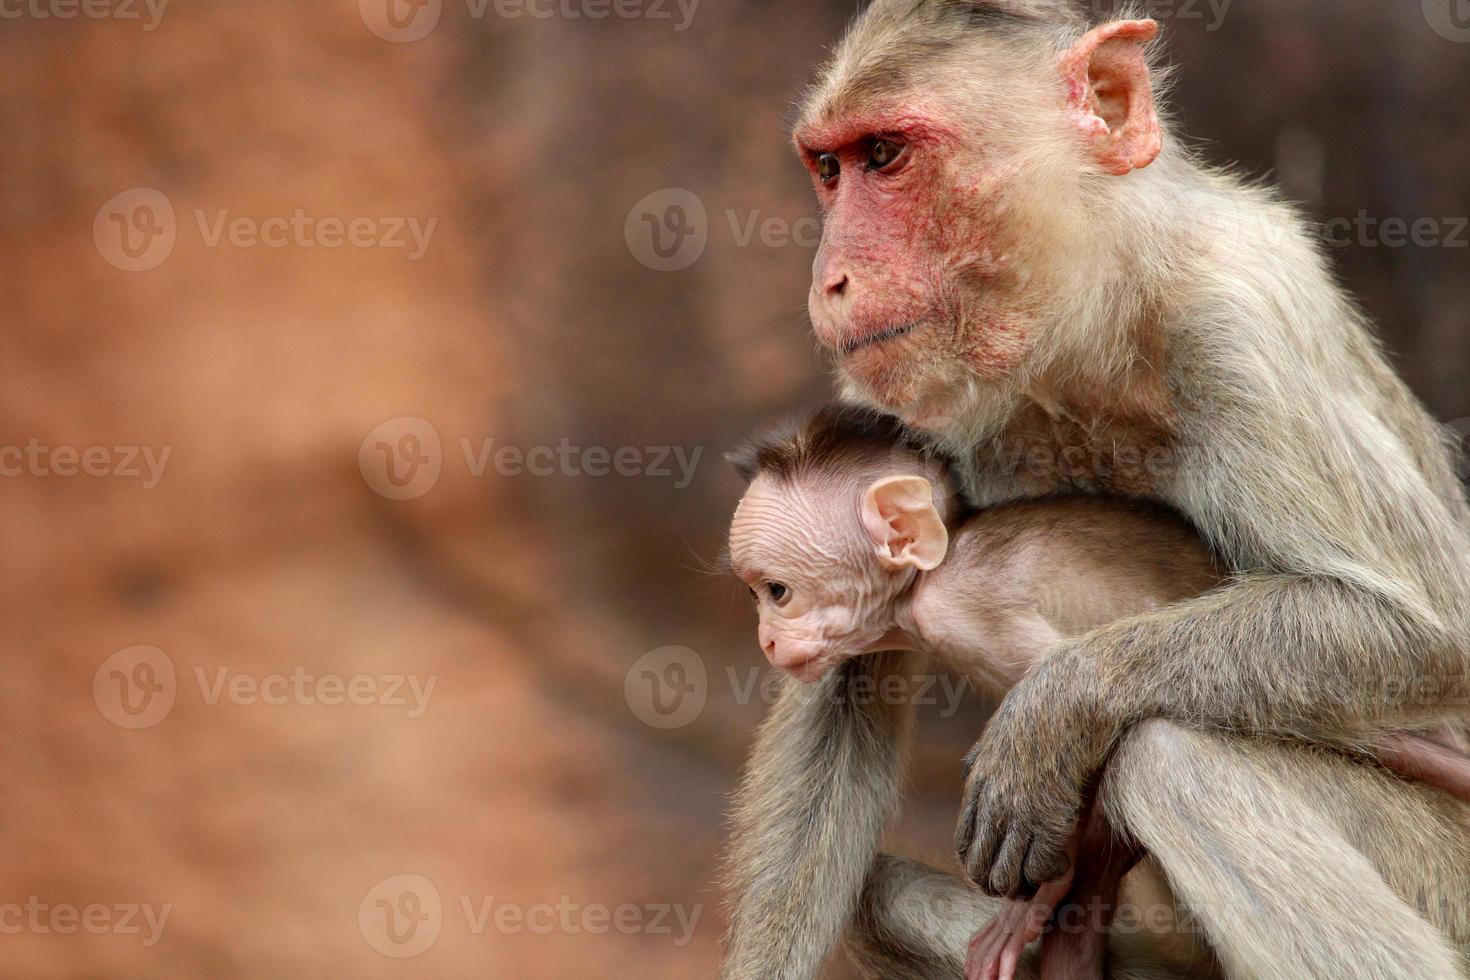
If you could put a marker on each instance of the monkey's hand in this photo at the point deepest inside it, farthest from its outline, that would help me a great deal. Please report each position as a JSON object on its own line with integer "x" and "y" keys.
{"x": 1026, "y": 777}
{"x": 996, "y": 949}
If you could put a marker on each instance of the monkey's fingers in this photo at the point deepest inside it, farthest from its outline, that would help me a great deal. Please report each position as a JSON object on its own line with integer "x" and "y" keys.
{"x": 978, "y": 960}
{"x": 986, "y": 834}
{"x": 1006, "y": 879}
{"x": 984, "y": 959}
{"x": 964, "y": 833}
{"x": 1028, "y": 857}
{"x": 1046, "y": 860}
{"x": 1010, "y": 956}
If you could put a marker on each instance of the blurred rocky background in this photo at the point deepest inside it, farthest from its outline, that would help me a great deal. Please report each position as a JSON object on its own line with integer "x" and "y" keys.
{"x": 366, "y": 372}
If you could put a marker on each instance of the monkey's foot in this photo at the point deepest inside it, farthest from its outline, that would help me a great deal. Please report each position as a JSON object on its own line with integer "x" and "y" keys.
{"x": 997, "y": 948}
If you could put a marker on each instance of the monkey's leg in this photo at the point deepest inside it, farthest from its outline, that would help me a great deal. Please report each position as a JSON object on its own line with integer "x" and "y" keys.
{"x": 1428, "y": 762}
{"x": 1076, "y": 948}
{"x": 914, "y": 923}
{"x": 1298, "y": 864}
{"x": 821, "y": 784}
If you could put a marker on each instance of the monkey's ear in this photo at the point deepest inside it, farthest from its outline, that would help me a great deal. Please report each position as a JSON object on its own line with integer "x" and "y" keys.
{"x": 1110, "y": 97}
{"x": 745, "y": 463}
{"x": 901, "y": 520}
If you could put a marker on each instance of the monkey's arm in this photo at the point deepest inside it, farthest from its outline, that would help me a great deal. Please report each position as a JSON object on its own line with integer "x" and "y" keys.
{"x": 821, "y": 784}
{"x": 1349, "y": 621}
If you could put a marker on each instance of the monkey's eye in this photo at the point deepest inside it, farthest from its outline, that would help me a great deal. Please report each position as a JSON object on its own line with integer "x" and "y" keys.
{"x": 883, "y": 153}
{"x": 779, "y": 593}
{"x": 828, "y": 167}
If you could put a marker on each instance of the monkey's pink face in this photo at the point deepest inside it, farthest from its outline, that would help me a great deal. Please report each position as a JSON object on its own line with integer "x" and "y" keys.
{"x": 915, "y": 285}
{"x": 820, "y": 593}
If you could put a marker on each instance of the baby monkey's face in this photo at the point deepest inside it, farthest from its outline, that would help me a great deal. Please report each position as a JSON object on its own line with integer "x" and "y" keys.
{"x": 829, "y": 558}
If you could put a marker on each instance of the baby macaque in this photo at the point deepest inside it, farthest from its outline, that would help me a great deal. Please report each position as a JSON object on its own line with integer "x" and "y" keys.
{"x": 852, "y": 540}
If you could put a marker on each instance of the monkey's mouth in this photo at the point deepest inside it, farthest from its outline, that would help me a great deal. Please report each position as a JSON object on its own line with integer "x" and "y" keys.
{"x": 850, "y": 347}
{"x": 806, "y": 667}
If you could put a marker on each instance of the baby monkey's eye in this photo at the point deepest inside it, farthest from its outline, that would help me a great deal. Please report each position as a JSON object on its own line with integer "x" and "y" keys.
{"x": 779, "y": 593}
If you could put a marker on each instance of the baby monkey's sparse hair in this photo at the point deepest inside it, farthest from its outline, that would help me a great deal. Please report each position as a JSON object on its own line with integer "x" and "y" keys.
{"x": 827, "y": 439}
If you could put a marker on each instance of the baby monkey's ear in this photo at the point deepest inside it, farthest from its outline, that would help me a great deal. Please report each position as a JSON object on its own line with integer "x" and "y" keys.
{"x": 903, "y": 524}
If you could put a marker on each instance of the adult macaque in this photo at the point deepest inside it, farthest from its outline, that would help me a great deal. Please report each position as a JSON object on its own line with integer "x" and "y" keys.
{"x": 1017, "y": 258}
{"x": 852, "y": 541}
